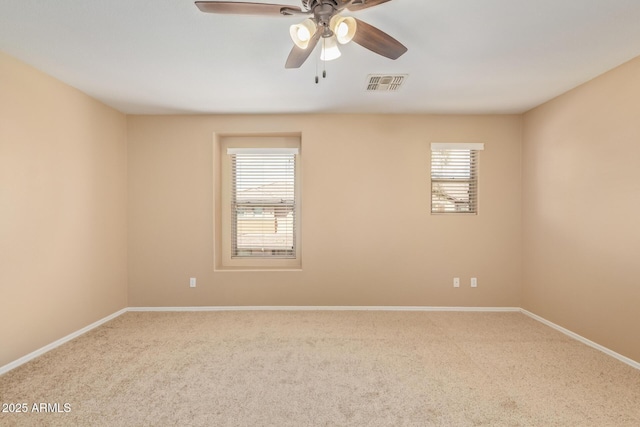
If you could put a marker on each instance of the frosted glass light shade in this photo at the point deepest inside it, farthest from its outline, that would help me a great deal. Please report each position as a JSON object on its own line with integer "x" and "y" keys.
{"x": 301, "y": 33}
{"x": 330, "y": 49}
{"x": 344, "y": 27}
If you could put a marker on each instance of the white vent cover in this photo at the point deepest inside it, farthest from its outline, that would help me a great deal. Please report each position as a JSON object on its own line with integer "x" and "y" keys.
{"x": 385, "y": 82}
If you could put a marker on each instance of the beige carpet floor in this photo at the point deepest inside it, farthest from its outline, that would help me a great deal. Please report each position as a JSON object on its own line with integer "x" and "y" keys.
{"x": 331, "y": 368}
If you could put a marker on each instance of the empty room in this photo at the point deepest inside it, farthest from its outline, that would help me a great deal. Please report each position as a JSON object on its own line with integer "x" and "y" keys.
{"x": 320, "y": 213}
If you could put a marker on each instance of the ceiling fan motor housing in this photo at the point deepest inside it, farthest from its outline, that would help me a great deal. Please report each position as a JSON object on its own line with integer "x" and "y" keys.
{"x": 310, "y": 4}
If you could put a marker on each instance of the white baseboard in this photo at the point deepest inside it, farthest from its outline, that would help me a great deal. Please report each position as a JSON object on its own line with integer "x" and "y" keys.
{"x": 582, "y": 339}
{"x": 49, "y": 347}
{"x": 329, "y": 308}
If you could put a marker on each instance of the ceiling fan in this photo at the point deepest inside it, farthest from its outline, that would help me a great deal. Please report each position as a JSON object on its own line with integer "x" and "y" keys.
{"x": 323, "y": 22}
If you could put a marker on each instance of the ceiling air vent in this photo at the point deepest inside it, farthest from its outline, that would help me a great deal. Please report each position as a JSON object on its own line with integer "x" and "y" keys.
{"x": 385, "y": 82}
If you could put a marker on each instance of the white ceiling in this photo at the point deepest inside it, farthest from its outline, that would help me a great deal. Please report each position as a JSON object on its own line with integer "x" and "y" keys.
{"x": 465, "y": 56}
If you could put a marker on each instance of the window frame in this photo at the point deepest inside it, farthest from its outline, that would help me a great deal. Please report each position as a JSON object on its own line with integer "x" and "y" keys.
{"x": 223, "y": 229}
{"x": 472, "y": 181}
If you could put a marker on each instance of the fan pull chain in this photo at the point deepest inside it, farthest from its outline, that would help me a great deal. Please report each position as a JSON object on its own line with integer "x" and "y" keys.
{"x": 324, "y": 64}
{"x": 321, "y": 49}
{"x": 317, "y": 79}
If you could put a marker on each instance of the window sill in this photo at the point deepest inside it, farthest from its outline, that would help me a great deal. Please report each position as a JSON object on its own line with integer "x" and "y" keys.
{"x": 254, "y": 269}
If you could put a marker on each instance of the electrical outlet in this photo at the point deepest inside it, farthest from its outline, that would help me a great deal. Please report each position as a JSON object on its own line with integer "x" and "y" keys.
{"x": 456, "y": 282}
{"x": 474, "y": 282}
{"x": 192, "y": 282}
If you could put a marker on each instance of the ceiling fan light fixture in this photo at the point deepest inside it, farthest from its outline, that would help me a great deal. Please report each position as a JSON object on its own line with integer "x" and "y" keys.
{"x": 344, "y": 27}
{"x": 301, "y": 33}
{"x": 330, "y": 49}
{"x": 322, "y": 22}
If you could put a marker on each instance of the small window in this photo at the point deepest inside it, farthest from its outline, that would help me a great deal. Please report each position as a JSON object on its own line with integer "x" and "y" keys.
{"x": 454, "y": 178}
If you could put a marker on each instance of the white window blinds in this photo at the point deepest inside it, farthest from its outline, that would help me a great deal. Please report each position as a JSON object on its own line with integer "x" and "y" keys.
{"x": 454, "y": 177}
{"x": 263, "y": 202}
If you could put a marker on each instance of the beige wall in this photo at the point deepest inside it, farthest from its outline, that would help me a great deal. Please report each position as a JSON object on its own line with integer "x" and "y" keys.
{"x": 367, "y": 235}
{"x": 62, "y": 210}
{"x": 581, "y": 207}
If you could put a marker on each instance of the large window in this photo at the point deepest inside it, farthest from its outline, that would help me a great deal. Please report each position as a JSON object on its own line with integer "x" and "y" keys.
{"x": 258, "y": 202}
{"x": 454, "y": 177}
{"x": 263, "y": 202}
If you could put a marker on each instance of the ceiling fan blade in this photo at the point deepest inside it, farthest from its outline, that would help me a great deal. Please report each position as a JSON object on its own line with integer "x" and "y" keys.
{"x": 364, "y": 4}
{"x": 245, "y": 8}
{"x": 297, "y": 56}
{"x": 378, "y": 41}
